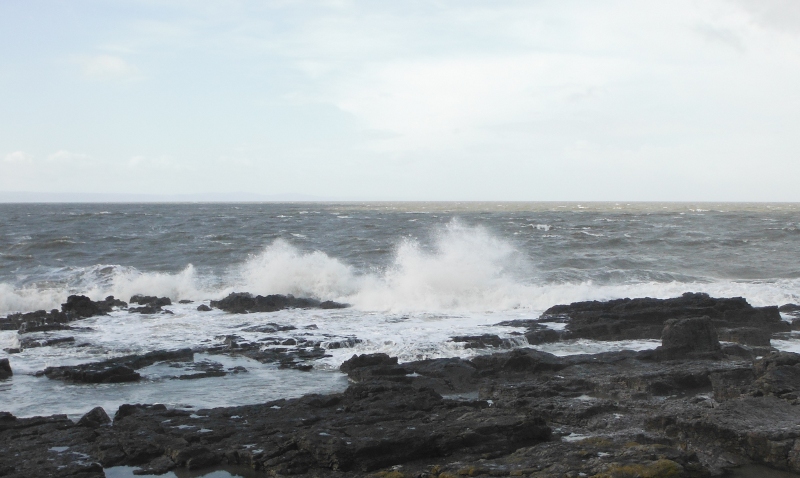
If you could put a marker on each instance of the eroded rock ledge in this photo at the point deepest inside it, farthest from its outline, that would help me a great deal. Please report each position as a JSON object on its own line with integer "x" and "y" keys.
{"x": 690, "y": 408}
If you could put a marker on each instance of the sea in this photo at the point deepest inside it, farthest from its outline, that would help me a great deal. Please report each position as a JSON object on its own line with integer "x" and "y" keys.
{"x": 415, "y": 275}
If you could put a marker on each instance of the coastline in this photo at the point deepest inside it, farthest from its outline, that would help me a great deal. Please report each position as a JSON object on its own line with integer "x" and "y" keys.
{"x": 692, "y": 407}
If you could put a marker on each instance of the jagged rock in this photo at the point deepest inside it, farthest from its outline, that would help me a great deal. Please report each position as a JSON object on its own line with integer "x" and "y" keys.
{"x": 626, "y": 319}
{"x": 746, "y": 336}
{"x": 77, "y": 307}
{"x": 5, "y": 369}
{"x": 692, "y": 334}
{"x": 479, "y": 341}
{"x": 243, "y": 303}
{"x": 148, "y": 310}
{"x": 150, "y": 300}
{"x": 32, "y": 342}
{"x": 121, "y": 369}
{"x": 94, "y": 418}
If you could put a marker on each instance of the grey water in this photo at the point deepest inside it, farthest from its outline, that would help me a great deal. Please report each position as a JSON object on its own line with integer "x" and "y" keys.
{"x": 50, "y": 245}
{"x": 415, "y": 274}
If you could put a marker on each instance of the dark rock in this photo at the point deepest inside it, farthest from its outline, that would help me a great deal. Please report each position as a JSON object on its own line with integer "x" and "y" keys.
{"x": 203, "y": 308}
{"x": 367, "y": 360}
{"x": 185, "y": 301}
{"x": 625, "y": 319}
{"x": 146, "y": 309}
{"x": 242, "y": 303}
{"x": 269, "y": 328}
{"x": 733, "y": 383}
{"x": 121, "y": 369}
{"x": 788, "y": 308}
{"x": 158, "y": 466}
{"x": 796, "y": 324}
{"x": 80, "y": 306}
{"x": 329, "y": 304}
{"x": 77, "y": 307}
{"x": 542, "y": 335}
{"x": 5, "y": 369}
{"x": 150, "y": 300}
{"x": 746, "y": 336}
{"x": 94, "y": 418}
{"x": 479, "y": 341}
{"x": 31, "y": 342}
{"x": 696, "y": 334}
{"x": 335, "y": 344}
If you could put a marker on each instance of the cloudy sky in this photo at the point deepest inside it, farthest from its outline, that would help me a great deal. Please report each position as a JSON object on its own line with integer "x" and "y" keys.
{"x": 419, "y": 100}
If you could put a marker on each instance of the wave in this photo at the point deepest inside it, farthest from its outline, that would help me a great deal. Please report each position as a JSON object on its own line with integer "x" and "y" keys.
{"x": 464, "y": 269}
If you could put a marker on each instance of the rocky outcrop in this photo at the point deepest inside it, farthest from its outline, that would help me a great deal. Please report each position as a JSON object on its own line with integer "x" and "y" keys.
{"x": 149, "y": 304}
{"x": 626, "y": 319}
{"x": 5, "y": 369}
{"x": 120, "y": 369}
{"x": 243, "y": 303}
{"x": 75, "y": 308}
{"x": 691, "y": 408}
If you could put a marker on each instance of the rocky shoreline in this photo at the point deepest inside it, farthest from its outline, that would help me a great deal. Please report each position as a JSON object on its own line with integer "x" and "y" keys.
{"x": 694, "y": 407}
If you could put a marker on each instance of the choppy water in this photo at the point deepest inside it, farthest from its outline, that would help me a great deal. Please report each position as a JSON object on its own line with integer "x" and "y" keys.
{"x": 415, "y": 273}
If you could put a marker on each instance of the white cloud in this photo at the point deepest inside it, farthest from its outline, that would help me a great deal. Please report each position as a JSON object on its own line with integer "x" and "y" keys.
{"x": 107, "y": 67}
{"x": 67, "y": 157}
{"x": 18, "y": 157}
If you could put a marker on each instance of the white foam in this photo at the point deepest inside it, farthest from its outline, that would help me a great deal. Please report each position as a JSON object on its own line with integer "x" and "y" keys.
{"x": 465, "y": 269}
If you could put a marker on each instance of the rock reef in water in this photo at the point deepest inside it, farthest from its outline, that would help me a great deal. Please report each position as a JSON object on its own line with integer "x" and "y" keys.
{"x": 120, "y": 369}
{"x": 243, "y": 303}
{"x": 75, "y": 308}
{"x": 690, "y": 408}
{"x": 644, "y": 318}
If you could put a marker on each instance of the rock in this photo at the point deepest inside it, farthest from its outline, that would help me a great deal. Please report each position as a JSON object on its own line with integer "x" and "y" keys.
{"x": 158, "y": 466}
{"x": 347, "y": 343}
{"x": 367, "y": 360}
{"x": 796, "y": 324}
{"x": 94, "y": 418}
{"x": 329, "y": 304}
{"x": 150, "y": 300}
{"x": 203, "y": 308}
{"x": 242, "y": 303}
{"x": 542, "y": 335}
{"x": 696, "y": 334}
{"x": 33, "y": 342}
{"x": 121, "y": 369}
{"x": 185, "y": 301}
{"x": 479, "y": 341}
{"x": 80, "y": 306}
{"x": 5, "y": 369}
{"x": 692, "y": 338}
{"x": 365, "y": 367}
{"x": 77, "y": 307}
{"x": 733, "y": 383}
{"x": 147, "y": 310}
{"x": 745, "y": 335}
{"x": 269, "y": 328}
{"x": 628, "y": 319}
{"x": 789, "y": 308}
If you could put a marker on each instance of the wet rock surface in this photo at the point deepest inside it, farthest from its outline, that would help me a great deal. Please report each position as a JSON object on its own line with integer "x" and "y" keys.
{"x": 628, "y": 319}
{"x": 75, "y": 308}
{"x": 120, "y": 369}
{"x": 5, "y": 369}
{"x": 691, "y": 408}
{"x": 243, "y": 303}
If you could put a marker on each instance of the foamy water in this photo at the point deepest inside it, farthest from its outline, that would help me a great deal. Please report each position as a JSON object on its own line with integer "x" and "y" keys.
{"x": 415, "y": 276}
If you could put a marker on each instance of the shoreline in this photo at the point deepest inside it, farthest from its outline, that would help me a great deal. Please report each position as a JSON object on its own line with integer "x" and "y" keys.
{"x": 692, "y": 407}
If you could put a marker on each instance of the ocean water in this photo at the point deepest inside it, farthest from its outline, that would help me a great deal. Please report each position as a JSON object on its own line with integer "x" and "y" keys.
{"x": 415, "y": 274}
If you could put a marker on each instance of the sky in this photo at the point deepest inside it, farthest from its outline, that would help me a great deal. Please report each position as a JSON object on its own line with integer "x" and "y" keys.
{"x": 686, "y": 100}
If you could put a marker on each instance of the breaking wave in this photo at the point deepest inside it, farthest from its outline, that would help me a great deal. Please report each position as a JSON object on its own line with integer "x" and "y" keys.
{"x": 464, "y": 269}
